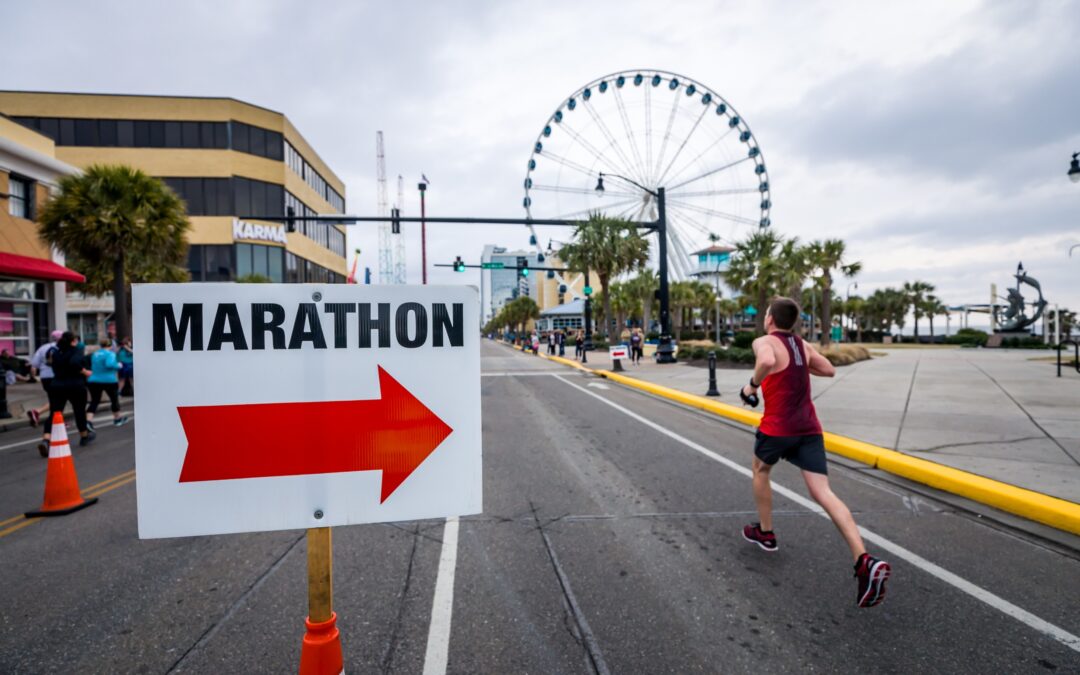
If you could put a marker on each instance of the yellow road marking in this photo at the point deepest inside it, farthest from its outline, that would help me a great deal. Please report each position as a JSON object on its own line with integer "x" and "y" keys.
{"x": 107, "y": 480}
{"x": 95, "y": 490}
{"x": 19, "y": 526}
{"x": 111, "y": 487}
{"x": 10, "y": 520}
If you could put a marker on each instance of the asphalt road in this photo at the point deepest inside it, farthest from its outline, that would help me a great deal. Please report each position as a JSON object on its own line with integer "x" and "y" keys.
{"x": 610, "y": 542}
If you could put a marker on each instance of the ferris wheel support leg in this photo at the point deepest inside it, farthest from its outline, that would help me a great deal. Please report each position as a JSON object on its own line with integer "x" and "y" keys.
{"x": 665, "y": 350}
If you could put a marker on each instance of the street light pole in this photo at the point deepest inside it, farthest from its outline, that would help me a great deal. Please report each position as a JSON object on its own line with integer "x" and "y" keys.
{"x": 665, "y": 350}
{"x": 423, "y": 232}
{"x": 1074, "y": 168}
{"x": 588, "y": 321}
{"x": 847, "y": 299}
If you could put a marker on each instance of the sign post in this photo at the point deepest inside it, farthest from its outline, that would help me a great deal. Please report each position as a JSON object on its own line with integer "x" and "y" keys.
{"x": 305, "y": 406}
{"x": 617, "y": 354}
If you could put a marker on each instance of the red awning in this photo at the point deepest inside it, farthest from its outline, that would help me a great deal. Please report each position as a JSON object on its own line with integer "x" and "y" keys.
{"x": 36, "y": 268}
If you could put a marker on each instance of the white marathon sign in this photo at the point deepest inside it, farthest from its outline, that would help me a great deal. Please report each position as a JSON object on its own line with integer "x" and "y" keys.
{"x": 242, "y": 230}
{"x": 288, "y": 406}
{"x": 617, "y": 351}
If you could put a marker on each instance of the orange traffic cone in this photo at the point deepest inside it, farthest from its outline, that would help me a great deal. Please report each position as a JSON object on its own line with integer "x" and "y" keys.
{"x": 62, "y": 494}
{"x": 320, "y": 653}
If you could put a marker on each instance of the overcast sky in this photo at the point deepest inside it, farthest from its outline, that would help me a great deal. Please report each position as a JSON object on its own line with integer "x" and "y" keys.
{"x": 932, "y": 137}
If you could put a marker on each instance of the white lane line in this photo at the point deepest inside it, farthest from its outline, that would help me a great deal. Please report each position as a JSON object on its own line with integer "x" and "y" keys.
{"x": 438, "y": 641}
{"x": 977, "y": 592}
{"x": 598, "y": 385}
{"x": 518, "y": 373}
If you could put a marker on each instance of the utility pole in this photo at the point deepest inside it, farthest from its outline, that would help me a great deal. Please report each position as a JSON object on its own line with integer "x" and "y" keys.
{"x": 423, "y": 230}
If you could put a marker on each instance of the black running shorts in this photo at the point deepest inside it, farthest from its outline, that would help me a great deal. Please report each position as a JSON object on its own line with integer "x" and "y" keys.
{"x": 805, "y": 452}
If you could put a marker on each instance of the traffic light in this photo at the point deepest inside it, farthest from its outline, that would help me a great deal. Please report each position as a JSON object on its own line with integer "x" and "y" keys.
{"x": 395, "y": 223}
{"x": 459, "y": 264}
{"x": 523, "y": 265}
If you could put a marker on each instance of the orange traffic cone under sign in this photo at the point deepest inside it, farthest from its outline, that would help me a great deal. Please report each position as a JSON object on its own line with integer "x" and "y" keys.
{"x": 320, "y": 653}
{"x": 62, "y": 494}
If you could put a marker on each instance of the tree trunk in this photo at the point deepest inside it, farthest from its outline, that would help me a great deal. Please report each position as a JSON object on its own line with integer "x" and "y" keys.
{"x": 759, "y": 318}
{"x": 607, "y": 308}
{"x": 120, "y": 304}
{"x": 826, "y": 311}
{"x": 931, "y": 328}
{"x": 646, "y": 312}
{"x": 858, "y": 329}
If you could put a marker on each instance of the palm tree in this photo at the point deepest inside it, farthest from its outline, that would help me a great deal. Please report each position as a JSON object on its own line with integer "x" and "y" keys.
{"x": 795, "y": 267}
{"x": 754, "y": 270}
{"x": 644, "y": 286}
{"x": 681, "y": 297}
{"x": 729, "y": 308}
{"x": 915, "y": 293}
{"x": 704, "y": 300}
{"x": 624, "y": 302}
{"x": 607, "y": 246}
{"x": 855, "y": 308}
{"x": 117, "y": 225}
{"x": 826, "y": 256}
{"x": 934, "y": 307}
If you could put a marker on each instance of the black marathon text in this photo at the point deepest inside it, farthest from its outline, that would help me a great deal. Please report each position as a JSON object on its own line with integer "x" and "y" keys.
{"x": 326, "y": 326}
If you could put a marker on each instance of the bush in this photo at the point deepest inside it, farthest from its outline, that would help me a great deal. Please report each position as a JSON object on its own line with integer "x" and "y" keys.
{"x": 844, "y": 355}
{"x": 736, "y": 355}
{"x": 743, "y": 339}
{"x": 1024, "y": 343}
{"x": 968, "y": 336}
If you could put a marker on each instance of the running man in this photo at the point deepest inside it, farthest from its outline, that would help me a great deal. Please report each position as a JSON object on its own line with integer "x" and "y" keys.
{"x": 790, "y": 430}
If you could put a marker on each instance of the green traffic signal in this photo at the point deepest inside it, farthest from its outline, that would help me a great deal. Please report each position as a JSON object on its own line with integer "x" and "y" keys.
{"x": 525, "y": 271}
{"x": 459, "y": 265}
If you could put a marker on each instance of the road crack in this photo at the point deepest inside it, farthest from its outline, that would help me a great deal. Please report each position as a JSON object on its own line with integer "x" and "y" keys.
{"x": 212, "y": 630}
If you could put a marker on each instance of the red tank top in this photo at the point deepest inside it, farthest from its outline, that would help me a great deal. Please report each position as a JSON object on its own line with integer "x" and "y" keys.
{"x": 789, "y": 410}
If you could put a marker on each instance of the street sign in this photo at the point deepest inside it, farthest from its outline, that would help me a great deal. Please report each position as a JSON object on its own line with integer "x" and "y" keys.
{"x": 492, "y": 265}
{"x": 289, "y": 406}
{"x": 617, "y": 352}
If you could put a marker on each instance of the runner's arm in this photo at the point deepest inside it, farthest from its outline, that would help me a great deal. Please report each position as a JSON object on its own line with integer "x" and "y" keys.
{"x": 819, "y": 365}
{"x": 764, "y": 361}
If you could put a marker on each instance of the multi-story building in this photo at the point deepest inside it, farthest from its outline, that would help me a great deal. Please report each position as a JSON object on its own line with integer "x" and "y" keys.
{"x": 32, "y": 276}
{"x": 229, "y": 160}
{"x": 498, "y": 286}
{"x": 710, "y": 264}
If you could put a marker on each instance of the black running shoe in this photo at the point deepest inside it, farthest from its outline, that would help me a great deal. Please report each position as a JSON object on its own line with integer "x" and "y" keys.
{"x": 87, "y": 439}
{"x": 755, "y": 535}
{"x": 120, "y": 421}
{"x": 43, "y": 448}
{"x": 872, "y": 575}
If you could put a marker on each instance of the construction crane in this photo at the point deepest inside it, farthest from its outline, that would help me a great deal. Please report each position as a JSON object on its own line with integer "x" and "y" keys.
{"x": 351, "y": 279}
{"x": 386, "y": 250}
{"x": 400, "y": 276}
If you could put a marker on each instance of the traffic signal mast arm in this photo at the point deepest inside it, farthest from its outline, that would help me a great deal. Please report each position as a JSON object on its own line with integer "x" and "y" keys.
{"x": 507, "y": 267}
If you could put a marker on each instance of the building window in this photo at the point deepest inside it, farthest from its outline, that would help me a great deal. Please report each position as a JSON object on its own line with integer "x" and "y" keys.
{"x": 20, "y": 197}
{"x": 301, "y": 168}
{"x": 267, "y": 261}
{"x": 211, "y": 263}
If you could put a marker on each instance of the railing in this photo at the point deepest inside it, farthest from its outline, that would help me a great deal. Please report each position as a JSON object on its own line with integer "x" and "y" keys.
{"x": 1076, "y": 356}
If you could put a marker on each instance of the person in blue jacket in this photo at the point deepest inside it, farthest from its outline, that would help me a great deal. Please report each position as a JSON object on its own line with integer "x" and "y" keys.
{"x": 103, "y": 370}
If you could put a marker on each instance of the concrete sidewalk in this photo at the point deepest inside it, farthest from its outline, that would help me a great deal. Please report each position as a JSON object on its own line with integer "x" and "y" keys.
{"x": 994, "y": 413}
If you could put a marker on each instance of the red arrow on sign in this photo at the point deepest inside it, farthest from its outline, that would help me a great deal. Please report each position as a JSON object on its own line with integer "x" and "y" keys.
{"x": 394, "y": 434}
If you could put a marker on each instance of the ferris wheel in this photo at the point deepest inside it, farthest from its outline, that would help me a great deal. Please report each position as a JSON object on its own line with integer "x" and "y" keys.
{"x": 645, "y": 130}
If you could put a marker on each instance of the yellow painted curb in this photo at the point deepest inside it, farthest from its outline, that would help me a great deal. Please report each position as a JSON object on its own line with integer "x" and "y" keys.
{"x": 1057, "y": 513}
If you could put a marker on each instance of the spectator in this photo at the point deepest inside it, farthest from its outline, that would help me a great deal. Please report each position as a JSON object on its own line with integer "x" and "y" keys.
{"x": 39, "y": 367}
{"x": 68, "y": 386}
{"x": 126, "y": 356}
{"x": 103, "y": 379}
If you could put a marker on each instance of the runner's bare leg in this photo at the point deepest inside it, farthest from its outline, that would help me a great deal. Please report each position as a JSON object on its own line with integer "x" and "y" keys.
{"x": 763, "y": 493}
{"x": 818, "y": 484}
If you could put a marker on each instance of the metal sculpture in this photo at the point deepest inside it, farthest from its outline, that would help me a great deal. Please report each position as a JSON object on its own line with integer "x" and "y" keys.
{"x": 1015, "y": 317}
